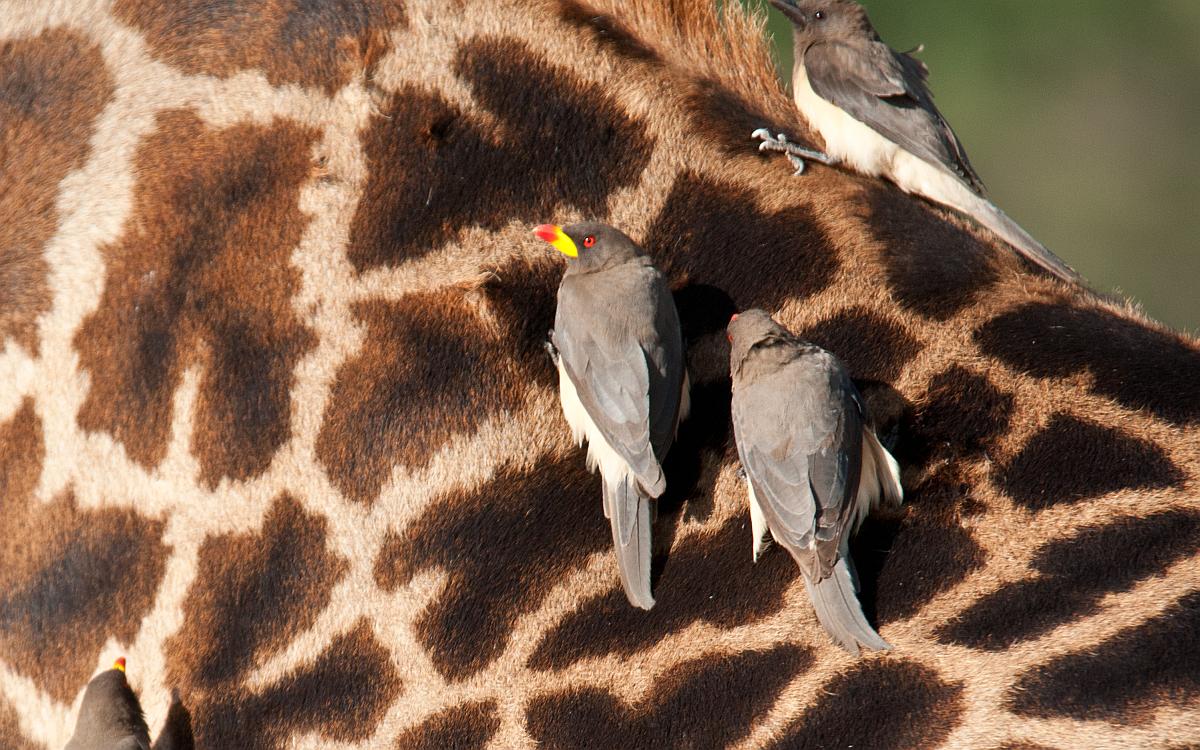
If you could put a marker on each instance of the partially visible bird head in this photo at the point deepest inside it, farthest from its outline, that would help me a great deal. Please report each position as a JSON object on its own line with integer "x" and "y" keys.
{"x": 589, "y": 245}
{"x": 825, "y": 19}
{"x": 110, "y": 711}
{"x": 755, "y": 331}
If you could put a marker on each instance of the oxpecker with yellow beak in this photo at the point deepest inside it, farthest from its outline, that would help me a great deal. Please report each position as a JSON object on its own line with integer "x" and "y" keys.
{"x": 622, "y": 383}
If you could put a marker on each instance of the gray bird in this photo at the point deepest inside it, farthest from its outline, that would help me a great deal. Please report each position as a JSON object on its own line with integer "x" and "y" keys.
{"x": 814, "y": 467}
{"x": 110, "y": 717}
{"x": 622, "y": 382}
{"x": 874, "y": 111}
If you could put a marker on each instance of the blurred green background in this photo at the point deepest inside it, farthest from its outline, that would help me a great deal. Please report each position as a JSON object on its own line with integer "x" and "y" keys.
{"x": 1082, "y": 117}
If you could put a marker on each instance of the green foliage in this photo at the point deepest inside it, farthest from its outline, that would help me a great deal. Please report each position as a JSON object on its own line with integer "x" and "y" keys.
{"x": 1083, "y": 118}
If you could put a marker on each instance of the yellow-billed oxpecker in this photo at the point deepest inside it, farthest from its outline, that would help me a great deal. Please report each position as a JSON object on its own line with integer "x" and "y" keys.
{"x": 814, "y": 467}
{"x": 873, "y": 109}
{"x": 110, "y": 717}
{"x": 621, "y": 377}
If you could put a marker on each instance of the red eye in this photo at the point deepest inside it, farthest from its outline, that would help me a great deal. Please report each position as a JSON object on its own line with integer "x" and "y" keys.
{"x": 589, "y": 241}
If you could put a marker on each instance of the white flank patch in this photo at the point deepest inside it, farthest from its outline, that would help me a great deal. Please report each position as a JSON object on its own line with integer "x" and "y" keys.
{"x": 758, "y": 521}
{"x": 612, "y": 467}
{"x": 856, "y": 145}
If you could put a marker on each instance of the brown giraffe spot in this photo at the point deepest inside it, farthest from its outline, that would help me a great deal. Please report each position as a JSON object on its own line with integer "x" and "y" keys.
{"x": 522, "y": 296}
{"x": 10, "y": 729}
{"x": 710, "y": 702}
{"x": 1071, "y": 460}
{"x": 70, "y": 579}
{"x": 503, "y": 548}
{"x": 471, "y": 725}
{"x": 1075, "y": 575}
{"x": 1129, "y": 362}
{"x": 703, "y": 437}
{"x": 707, "y": 578}
{"x": 252, "y": 595}
{"x": 926, "y": 553}
{"x": 203, "y": 277}
{"x": 1125, "y": 678}
{"x": 607, "y": 31}
{"x": 934, "y": 268}
{"x": 562, "y": 142}
{"x": 724, "y": 116}
{"x": 340, "y": 697}
{"x": 325, "y": 43}
{"x": 872, "y": 346}
{"x": 704, "y": 310}
{"x": 959, "y": 416}
{"x": 52, "y": 88}
{"x": 882, "y": 705}
{"x": 399, "y": 402}
{"x": 704, "y": 225}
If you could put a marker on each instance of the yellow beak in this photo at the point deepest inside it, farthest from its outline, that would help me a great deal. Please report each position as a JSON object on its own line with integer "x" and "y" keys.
{"x": 119, "y": 664}
{"x": 554, "y": 235}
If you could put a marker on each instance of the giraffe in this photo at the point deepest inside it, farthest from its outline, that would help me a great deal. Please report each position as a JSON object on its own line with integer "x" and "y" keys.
{"x": 276, "y": 423}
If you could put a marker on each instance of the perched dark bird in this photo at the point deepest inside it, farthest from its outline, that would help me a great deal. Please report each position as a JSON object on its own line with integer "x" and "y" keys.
{"x": 874, "y": 111}
{"x": 110, "y": 717}
{"x": 814, "y": 467}
{"x": 621, "y": 377}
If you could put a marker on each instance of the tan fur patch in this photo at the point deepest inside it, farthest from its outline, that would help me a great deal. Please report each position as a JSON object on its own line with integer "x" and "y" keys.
{"x": 52, "y": 88}
{"x": 10, "y": 728}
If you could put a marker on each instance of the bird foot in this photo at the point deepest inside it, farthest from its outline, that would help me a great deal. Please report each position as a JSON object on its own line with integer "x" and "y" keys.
{"x": 795, "y": 154}
{"x": 550, "y": 348}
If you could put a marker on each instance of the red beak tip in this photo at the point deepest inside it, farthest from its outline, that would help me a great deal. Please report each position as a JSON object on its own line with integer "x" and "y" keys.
{"x": 545, "y": 232}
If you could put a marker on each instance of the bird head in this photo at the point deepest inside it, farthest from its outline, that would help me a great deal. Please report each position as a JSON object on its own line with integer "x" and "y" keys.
{"x": 110, "y": 711}
{"x": 750, "y": 331}
{"x": 825, "y": 19}
{"x": 589, "y": 245}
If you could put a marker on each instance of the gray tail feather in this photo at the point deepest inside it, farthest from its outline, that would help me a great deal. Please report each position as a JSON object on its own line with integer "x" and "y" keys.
{"x": 840, "y": 613}
{"x": 987, "y": 214}
{"x": 629, "y": 514}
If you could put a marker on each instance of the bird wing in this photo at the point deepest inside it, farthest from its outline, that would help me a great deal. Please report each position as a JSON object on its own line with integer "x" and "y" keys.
{"x": 886, "y": 91}
{"x": 610, "y": 369}
{"x": 799, "y": 437}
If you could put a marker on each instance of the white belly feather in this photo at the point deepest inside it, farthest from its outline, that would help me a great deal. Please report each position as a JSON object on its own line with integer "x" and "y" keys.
{"x": 856, "y": 145}
{"x": 599, "y": 453}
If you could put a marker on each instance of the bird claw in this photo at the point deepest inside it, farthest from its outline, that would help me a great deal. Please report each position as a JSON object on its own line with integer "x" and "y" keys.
{"x": 549, "y": 346}
{"x": 795, "y": 154}
{"x": 741, "y": 473}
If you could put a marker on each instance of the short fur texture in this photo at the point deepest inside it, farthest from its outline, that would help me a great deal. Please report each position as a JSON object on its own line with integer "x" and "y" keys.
{"x": 275, "y": 420}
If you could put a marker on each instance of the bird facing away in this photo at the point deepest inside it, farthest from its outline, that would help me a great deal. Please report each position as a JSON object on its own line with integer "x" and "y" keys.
{"x": 622, "y": 383}
{"x": 110, "y": 717}
{"x": 873, "y": 109}
{"x": 814, "y": 467}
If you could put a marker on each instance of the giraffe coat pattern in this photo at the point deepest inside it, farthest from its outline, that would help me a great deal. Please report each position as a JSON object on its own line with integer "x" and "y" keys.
{"x": 223, "y": 240}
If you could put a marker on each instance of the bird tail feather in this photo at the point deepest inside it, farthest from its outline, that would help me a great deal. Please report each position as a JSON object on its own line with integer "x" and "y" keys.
{"x": 840, "y": 613}
{"x": 990, "y": 216}
{"x": 629, "y": 514}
